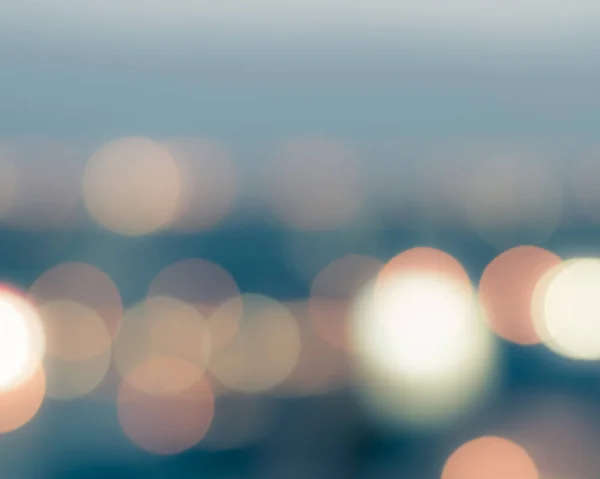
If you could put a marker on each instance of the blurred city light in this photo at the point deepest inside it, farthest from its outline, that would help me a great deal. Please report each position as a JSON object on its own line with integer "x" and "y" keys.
{"x": 22, "y": 337}
{"x": 492, "y": 458}
{"x": 132, "y": 186}
{"x": 506, "y": 291}
{"x": 165, "y": 333}
{"x": 567, "y": 301}
{"x": 265, "y": 349}
{"x": 208, "y": 184}
{"x": 165, "y": 424}
{"x": 422, "y": 352}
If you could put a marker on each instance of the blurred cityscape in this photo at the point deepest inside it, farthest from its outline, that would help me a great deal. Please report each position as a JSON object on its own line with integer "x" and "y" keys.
{"x": 247, "y": 242}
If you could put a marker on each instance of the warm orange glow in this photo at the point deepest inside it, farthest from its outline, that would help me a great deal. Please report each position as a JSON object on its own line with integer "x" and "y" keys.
{"x": 490, "y": 458}
{"x": 132, "y": 186}
{"x": 84, "y": 284}
{"x": 506, "y": 291}
{"x": 20, "y": 404}
{"x": 332, "y": 292}
{"x": 204, "y": 285}
{"x": 424, "y": 260}
{"x": 167, "y": 424}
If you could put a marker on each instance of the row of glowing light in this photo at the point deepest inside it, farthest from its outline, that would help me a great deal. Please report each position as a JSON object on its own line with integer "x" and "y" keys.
{"x": 136, "y": 186}
{"x": 413, "y": 328}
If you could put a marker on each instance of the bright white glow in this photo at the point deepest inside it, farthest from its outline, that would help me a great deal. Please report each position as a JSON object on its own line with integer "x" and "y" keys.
{"x": 422, "y": 348}
{"x": 20, "y": 341}
{"x": 14, "y": 344}
{"x": 570, "y": 319}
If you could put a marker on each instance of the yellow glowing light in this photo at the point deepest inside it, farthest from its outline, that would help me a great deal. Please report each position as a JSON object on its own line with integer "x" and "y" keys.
{"x": 421, "y": 347}
{"x": 132, "y": 186}
{"x": 22, "y": 341}
{"x": 568, "y": 309}
{"x": 490, "y": 458}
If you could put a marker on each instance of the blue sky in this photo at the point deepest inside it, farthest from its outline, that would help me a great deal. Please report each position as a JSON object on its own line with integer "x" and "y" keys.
{"x": 263, "y": 70}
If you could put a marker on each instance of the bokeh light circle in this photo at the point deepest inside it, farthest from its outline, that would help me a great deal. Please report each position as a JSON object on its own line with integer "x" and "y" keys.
{"x": 264, "y": 350}
{"x": 208, "y": 184}
{"x": 167, "y": 334}
{"x": 21, "y": 403}
{"x": 490, "y": 458}
{"x": 425, "y": 260}
{"x": 506, "y": 291}
{"x": 132, "y": 186}
{"x": 567, "y": 308}
{"x": 84, "y": 284}
{"x": 205, "y": 286}
{"x": 166, "y": 424}
{"x": 332, "y": 293}
{"x": 421, "y": 351}
{"x": 22, "y": 339}
{"x": 321, "y": 367}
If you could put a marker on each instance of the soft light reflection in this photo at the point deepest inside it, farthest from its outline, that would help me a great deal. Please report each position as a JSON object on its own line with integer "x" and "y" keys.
{"x": 22, "y": 339}
{"x": 567, "y": 308}
{"x": 83, "y": 284}
{"x": 513, "y": 200}
{"x": 168, "y": 330}
{"x": 239, "y": 421}
{"x": 264, "y": 350}
{"x": 132, "y": 186}
{"x": 506, "y": 291}
{"x": 166, "y": 424}
{"x": 314, "y": 184}
{"x": 208, "y": 184}
{"x": 490, "y": 458}
{"x": 333, "y": 291}
{"x": 204, "y": 285}
{"x": 422, "y": 352}
{"x": 21, "y": 403}
{"x": 321, "y": 368}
